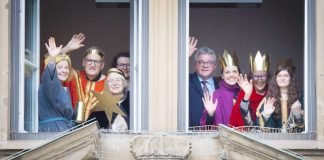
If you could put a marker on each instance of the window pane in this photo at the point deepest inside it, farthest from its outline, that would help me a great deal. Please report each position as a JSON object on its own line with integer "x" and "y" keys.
{"x": 30, "y": 94}
{"x": 30, "y": 26}
{"x": 246, "y": 28}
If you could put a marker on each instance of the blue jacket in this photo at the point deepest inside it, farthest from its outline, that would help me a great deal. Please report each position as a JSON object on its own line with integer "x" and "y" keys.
{"x": 54, "y": 103}
{"x": 196, "y": 105}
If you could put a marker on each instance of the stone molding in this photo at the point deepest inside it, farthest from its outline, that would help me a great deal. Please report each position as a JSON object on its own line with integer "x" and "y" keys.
{"x": 78, "y": 143}
{"x": 237, "y": 144}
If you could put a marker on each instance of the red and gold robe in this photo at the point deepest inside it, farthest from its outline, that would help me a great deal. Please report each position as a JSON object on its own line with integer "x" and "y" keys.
{"x": 78, "y": 91}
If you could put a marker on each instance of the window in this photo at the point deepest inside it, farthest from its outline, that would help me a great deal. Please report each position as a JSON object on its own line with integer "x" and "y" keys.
{"x": 27, "y": 46}
{"x": 206, "y": 28}
{"x": 31, "y": 66}
{"x": 25, "y": 66}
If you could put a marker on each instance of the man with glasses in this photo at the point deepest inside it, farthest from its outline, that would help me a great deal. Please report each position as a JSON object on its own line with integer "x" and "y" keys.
{"x": 89, "y": 79}
{"x": 201, "y": 80}
{"x": 252, "y": 92}
{"x": 121, "y": 61}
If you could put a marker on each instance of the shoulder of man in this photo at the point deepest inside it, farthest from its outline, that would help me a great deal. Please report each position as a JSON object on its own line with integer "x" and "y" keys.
{"x": 193, "y": 76}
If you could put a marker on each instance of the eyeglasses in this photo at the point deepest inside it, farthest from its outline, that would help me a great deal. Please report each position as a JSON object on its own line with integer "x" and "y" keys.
{"x": 260, "y": 77}
{"x": 123, "y": 65}
{"x": 207, "y": 64}
{"x": 92, "y": 61}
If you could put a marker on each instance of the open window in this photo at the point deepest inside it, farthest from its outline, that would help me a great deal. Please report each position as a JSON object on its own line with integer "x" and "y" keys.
{"x": 115, "y": 26}
{"x": 281, "y": 29}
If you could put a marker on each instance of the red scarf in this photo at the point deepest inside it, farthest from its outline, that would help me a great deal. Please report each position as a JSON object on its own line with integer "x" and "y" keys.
{"x": 236, "y": 118}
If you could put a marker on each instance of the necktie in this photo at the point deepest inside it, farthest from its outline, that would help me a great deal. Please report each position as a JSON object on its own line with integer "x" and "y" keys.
{"x": 205, "y": 88}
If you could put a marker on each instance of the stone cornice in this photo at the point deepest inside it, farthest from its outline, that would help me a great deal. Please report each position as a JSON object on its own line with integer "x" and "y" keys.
{"x": 78, "y": 143}
{"x": 235, "y": 142}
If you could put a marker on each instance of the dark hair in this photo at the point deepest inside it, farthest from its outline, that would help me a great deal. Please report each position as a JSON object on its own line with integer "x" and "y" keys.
{"x": 99, "y": 52}
{"x": 120, "y": 54}
{"x": 274, "y": 90}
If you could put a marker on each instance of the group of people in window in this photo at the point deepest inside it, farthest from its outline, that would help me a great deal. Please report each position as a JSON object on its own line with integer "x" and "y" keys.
{"x": 239, "y": 100}
{"x": 66, "y": 93}
{"x": 235, "y": 99}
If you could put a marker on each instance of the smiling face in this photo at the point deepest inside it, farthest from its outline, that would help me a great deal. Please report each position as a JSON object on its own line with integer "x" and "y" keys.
{"x": 62, "y": 70}
{"x": 230, "y": 75}
{"x": 93, "y": 64}
{"x": 260, "y": 81}
{"x": 283, "y": 79}
{"x": 116, "y": 83}
{"x": 205, "y": 66}
{"x": 123, "y": 65}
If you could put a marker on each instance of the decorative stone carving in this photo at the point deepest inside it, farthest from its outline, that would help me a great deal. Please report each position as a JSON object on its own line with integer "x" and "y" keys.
{"x": 160, "y": 147}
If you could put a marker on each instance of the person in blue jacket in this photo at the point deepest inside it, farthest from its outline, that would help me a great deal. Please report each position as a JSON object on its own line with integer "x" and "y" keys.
{"x": 55, "y": 108}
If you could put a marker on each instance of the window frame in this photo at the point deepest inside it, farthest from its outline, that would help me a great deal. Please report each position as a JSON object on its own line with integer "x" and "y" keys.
{"x": 139, "y": 61}
{"x": 17, "y": 111}
{"x": 309, "y": 62}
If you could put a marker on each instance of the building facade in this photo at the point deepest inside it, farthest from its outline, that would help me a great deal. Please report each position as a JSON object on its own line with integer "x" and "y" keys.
{"x": 157, "y": 36}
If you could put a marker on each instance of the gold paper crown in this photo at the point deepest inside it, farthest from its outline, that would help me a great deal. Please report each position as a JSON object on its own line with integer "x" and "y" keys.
{"x": 228, "y": 60}
{"x": 94, "y": 50}
{"x": 59, "y": 58}
{"x": 259, "y": 63}
{"x": 115, "y": 70}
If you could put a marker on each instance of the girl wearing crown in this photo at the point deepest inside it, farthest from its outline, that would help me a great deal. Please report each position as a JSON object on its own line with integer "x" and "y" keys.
{"x": 218, "y": 108}
{"x": 252, "y": 92}
{"x": 281, "y": 107}
{"x": 55, "y": 107}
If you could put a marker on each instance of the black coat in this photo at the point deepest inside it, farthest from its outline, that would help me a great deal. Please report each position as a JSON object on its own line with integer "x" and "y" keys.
{"x": 196, "y": 105}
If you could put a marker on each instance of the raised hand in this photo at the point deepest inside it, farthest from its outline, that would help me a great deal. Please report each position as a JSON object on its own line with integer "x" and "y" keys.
{"x": 192, "y": 45}
{"x": 75, "y": 43}
{"x": 246, "y": 86}
{"x": 296, "y": 107}
{"x": 268, "y": 106}
{"x": 210, "y": 106}
{"x": 52, "y": 50}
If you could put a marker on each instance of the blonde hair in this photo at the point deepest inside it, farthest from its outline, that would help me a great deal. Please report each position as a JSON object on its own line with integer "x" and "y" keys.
{"x": 59, "y": 58}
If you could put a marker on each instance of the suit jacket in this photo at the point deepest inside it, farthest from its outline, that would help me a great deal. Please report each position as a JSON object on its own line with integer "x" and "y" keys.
{"x": 196, "y": 105}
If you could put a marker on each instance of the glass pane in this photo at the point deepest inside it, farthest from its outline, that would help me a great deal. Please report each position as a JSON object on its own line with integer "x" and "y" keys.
{"x": 30, "y": 94}
{"x": 30, "y": 28}
{"x": 244, "y": 29}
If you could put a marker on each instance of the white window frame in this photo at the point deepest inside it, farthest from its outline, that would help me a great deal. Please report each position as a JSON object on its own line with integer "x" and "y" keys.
{"x": 139, "y": 61}
{"x": 309, "y": 61}
{"x": 18, "y": 71}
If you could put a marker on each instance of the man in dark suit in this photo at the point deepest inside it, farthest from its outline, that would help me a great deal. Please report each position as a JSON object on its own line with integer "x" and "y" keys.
{"x": 202, "y": 78}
